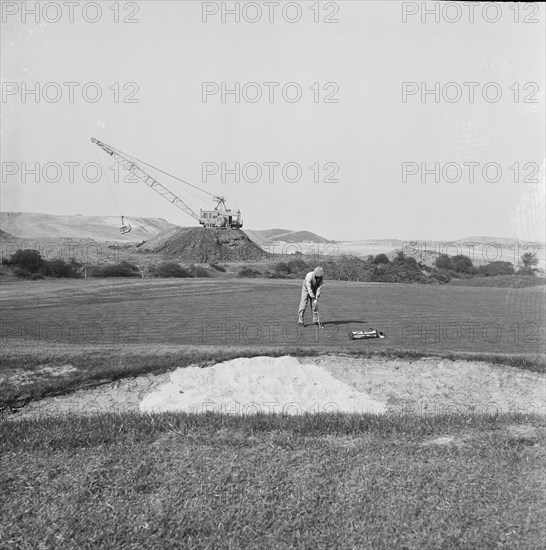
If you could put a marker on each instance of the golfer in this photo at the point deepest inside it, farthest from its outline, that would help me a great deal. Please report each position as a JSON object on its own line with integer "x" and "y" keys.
{"x": 310, "y": 292}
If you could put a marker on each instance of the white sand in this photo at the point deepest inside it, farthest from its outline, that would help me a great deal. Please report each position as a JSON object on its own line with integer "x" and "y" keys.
{"x": 425, "y": 386}
{"x": 258, "y": 384}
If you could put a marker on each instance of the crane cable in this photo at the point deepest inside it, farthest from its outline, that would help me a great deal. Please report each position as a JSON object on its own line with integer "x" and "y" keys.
{"x": 180, "y": 188}
{"x": 177, "y": 186}
{"x": 121, "y": 153}
{"x": 109, "y": 184}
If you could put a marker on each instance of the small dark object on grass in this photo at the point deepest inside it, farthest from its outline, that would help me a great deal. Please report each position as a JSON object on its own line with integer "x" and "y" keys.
{"x": 365, "y": 334}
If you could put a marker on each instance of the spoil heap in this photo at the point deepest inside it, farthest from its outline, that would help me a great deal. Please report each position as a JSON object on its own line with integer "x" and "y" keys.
{"x": 195, "y": 244}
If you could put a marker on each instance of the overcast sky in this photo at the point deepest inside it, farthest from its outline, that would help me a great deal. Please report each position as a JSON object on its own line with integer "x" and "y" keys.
{"x": 361, "y": 137}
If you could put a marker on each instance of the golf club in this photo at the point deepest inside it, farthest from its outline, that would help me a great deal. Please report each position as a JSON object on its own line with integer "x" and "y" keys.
{"x": 318, "y": 317}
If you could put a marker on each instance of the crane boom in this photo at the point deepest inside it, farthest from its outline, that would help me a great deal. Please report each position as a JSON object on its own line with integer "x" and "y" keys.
{"x": 220, "y": 217}
{"x": 144, "y": 177}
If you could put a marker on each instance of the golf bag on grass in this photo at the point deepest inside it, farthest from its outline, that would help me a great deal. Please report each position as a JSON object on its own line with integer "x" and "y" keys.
{"x": 365, "y": 334}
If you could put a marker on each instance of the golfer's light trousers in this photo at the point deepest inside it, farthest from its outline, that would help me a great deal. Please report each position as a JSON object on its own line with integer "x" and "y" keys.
{"x": 303, "y": 305}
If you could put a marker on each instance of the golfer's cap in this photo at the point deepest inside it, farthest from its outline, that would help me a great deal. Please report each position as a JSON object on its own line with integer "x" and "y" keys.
{"x": 319, "y": 272}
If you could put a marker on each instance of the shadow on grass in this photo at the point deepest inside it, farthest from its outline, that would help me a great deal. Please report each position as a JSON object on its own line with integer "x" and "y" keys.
{"x": 335, "y": 323}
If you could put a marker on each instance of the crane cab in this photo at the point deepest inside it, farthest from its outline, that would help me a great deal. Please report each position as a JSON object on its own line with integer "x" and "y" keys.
{"x": 226, "y": 219}
{"x": 221, "y": 217}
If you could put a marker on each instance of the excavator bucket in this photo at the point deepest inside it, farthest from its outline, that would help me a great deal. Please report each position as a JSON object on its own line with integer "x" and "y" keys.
{"x": 125, "y": 228}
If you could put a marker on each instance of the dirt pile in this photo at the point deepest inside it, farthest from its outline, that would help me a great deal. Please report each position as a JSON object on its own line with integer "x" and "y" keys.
{"x": 195, "y": 244}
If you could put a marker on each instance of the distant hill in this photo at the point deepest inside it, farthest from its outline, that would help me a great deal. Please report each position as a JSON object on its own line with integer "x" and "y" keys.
{"x": 503, "y": 241}
{"x": 28, "y": 225}
{"x": 159, "y": 235}
{"x": 270, "y": 233}
{"x": 267, "y": 236}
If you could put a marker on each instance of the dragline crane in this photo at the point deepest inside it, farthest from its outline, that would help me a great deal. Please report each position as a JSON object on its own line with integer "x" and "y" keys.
{"x": 220, "y": 217}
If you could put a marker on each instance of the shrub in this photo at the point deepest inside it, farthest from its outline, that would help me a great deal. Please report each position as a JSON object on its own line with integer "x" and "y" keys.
{"x": 171, "y": 269}
{"x": 36, "y": 277}
{"x": 249, "y": 273}
{"x": 440, "y": 275}
{"x": 527, "y": 271}
{"x": 28, "y": 260}
{"x": 123, "y": 269}
{"x": 60, "y": 268}
{"x": 528, "y": 263}
{"x": 381, "y": 259}
{"x": 94, "y": 271}
{"x": 23, "y": 273}
{"x": 282, "y": 269}
{"x": 496, "y": 268}
{"x": 298, "y": 266}
{"x": 461, "y": 264}
{"x": 293, "y": 268}
{"x": 199, "y": 271}
{"x": 400, "y": 258}
{"x": 352, "y": 268}
{"x": 443, "y": 261}
{"x": 218, "y": 267}
{"x": 398, "y": 271}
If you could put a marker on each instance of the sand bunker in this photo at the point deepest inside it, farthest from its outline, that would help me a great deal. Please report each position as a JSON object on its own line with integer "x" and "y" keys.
{"x": 258, "y": 384}
{"x": 313, "y": 384}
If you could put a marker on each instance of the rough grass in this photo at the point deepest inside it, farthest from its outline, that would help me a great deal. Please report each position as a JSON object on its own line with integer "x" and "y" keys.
{"x": 95, "y": 366}
{"x": 319, "y": 481}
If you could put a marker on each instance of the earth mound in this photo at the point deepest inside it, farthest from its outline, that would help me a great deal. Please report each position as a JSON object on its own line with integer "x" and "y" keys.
{"x": 196, "y": 244}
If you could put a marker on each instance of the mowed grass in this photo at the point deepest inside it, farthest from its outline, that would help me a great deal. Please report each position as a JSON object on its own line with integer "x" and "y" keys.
{"x": 501, "y": 281}
{"x": 212, "y": 481}
{"x": 317, "y": 481}
{"x": 109, "y": 329}
{"x": 264, "y": 313}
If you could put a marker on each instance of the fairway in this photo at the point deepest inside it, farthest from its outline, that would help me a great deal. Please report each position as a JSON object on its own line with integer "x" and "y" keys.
{"x": 259, "y": 312}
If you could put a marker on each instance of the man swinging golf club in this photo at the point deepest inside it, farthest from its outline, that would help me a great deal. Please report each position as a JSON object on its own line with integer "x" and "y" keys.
{"x": 310, "y": 292}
